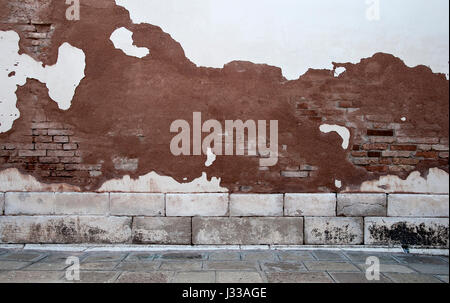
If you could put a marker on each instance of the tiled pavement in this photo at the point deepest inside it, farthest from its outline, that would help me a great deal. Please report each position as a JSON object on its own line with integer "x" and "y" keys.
{"x": 274, "y": 266}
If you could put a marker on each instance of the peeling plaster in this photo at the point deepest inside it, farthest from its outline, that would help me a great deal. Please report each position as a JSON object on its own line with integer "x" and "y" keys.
{"x": 12, "y": 180}
{"x": 338, "y": 183}
{"x": 154, "y": 183}
{"x": 122, "y": 39}
{"x": 340, "y": 130}
{"x": 61, "y": 79}
{"x": 211, "y": 157}
{"x": 436, "y": 182}
{"x": 338, "y": 71}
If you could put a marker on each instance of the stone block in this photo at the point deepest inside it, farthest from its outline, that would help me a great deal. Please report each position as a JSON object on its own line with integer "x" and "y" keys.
{"x": 196, "y": 205}
{"x": 297, "y": 205}
{"x": 406, "y": 231}
{"x": 402, "y": 205}
{"x": 333, "y": 230}
{"x": 164, "y": 230}
{"x": 256, "y": 205}
{"x": 137, "y": 204}
{"x": 247, "y": 231}
{"x": 361, "y": 205}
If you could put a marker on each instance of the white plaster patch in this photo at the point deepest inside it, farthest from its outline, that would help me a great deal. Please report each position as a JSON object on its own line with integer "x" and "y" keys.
{"x": 338, "y": 183}
{"x": 154, "y": 183}
{"x": 61, "y": 79}
{"x": 122, "y": 39}
{"x": 338, "y": 71}
{"x": 211, "y": 157}
{"x": 435, "y": 183}
{"x": 340, "y": 130}
{"x": 403, "y": 119}
{"x": 12, "y": 180}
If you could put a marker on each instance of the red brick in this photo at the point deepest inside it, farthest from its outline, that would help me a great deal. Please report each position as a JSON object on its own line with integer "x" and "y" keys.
{"x": 42, "y": 139}
{"x": 355, "y": 147}
{"x": 377, "y": 168}
{"x": 49, "y": 159}
{"x": 373, "y": 154}
{"x": 302, "y": 106}
{"x": 71, "y": 160}
{"x": 60, "y": 132}
{"x": 404, "y": 147}
{"x": 60, "y": 153}
{"x": 47, "y": 125}
{"x": 48, "y": 146}
{"x": 389, "y": 153}
{"x": 423, "y": 140}
{"x": 428, "y": 155}
{"x": 70, "y": 146}
{"x": 405, "y": 161}
{"x": 375, "y": 146}
{"x": 346, "y": 104}
{"x": 359, "y": 154}
{"x": 443, "y": 155}
{"x": 61, "y": 139}
{"x": 380, "y": 133}
{"x": 31, "y": 153}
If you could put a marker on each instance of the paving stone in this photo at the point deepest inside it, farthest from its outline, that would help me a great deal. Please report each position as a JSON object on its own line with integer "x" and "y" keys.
{"x": 196, "y": 205}
{"x": 443, "y": 278}
{"x": 311, "y": 205}
{"x": 140, "y": 257}
{"x": 361, "y": 257}
{"x": 11, "y": 265}
{"x": 406, "y": 231}
{"x": 324, "y": 255}
{"x": 225, "y": 256}
{"x": 295, "y": 256}
{"x": 64, "y": 229}
{"x": 182, "y": 256}
{"x": 255, "y": 205}
{"x": 104, "y": 257}
{"x": 330, "y": 266}
{"x": 2, "y": 203}
{"x": 402, "y": 205}
{"x": 61, "y": 257}
{"x": 430, "y": 268}
{"x": 195, "y": 277}
{"x": 258, "y": 255}
{"x": 333, "y": 230}
{"x": 291, "y": 277}
{"x": 31, "y": 276}
{"x": 247, "y": 231}
{"x": 22, "y": 256}
{"x": 138, "y": 266}
{"x": 361, "y": 205}
{"x": 146, "y": 277}
{"x": 181, "y": 266}
{"x": 47, "y": 266}
{"x": 162, "y": 230}
{"x": 238, "y": 277}
{"x": 344, "y": 277}
{"x": 98, "y": 266}
{"x": 230, "y": 265}
{"x": 389, "y": 268}
{"x": 282, "y": 266}
{"x": 417, "y": 259}
{"x": 412, "y": 278}
{"x": 96, "y": 277}
{"x": 137, "y": 204}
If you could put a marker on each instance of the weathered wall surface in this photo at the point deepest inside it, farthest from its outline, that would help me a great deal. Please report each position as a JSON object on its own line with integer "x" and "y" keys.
{"x": 379, "y": 127}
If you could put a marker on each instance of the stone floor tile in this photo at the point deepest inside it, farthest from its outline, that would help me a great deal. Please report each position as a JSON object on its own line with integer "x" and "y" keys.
{"x": 411, "y": 278}
{"x": 324, "y": 255}
{"x": 182, "y": 256}
{"x": 195, "y": 277}
{"x": 104, "y": 257}
{"x": 24, "y": 276}
{"x": 258, "y": 256}
{"x": 238, "y": 277}
{"x": 420, "y": 259}
{"x": 330, "y": 266}
{"x": 95, "y": 277}
{"x": 48, "y": 266}
{"x": 282, "y": 266}
{"x": 398, "y": 268}
{"x": 181, "y": 265}
{"x": 62, "y": 257}
{"x": 140, "y": 257}
{"x": 291, "y": 277}
{"x": 443, "y": 278}
{"x": 361, "y": 257}
{"x": 430, "y": 268}
{"x": 22, "y": 256}
{"x": 295, "y": 256}
{"x": 12, "y": 265}
{"x": 146, "y": 277}
{"x": 138, "y": 266}
{"x": 225, "y": 256}
{"x": 98, "y": 266}
{"x": 345, "y": 277}
{"x": 230, "y": 265}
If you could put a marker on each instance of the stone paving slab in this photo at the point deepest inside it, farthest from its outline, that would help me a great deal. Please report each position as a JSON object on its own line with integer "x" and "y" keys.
{"x": 220, "y": 266}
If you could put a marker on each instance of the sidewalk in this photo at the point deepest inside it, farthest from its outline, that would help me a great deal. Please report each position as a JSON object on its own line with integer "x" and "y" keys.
{"x": 273, "y": 266}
